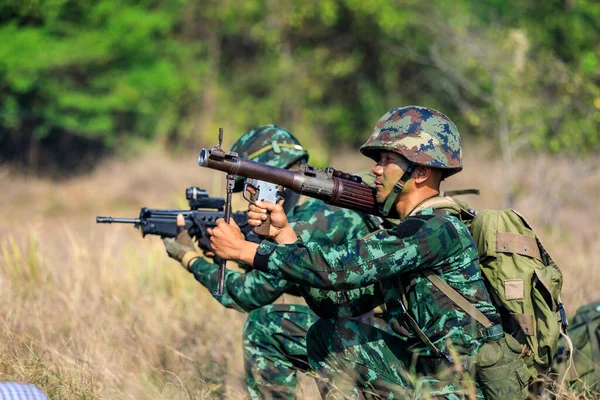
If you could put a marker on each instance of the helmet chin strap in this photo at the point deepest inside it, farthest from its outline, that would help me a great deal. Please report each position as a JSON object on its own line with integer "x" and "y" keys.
{"x": 389, "y": 201}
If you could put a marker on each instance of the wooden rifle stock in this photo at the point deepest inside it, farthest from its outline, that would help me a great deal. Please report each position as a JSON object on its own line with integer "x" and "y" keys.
{"x": 332, "y": 186}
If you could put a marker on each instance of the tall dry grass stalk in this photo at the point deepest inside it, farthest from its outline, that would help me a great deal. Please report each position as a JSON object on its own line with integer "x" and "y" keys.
{"x": 95, "y": 311}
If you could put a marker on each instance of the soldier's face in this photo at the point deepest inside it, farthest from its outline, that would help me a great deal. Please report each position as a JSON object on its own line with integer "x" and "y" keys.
{"x": 387, "y": 171}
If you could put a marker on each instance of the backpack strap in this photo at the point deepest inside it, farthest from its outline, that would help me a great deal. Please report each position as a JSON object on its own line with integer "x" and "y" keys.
{"x": 437, "y": 202}
{"x": 458, "y": 192}
{"x": 458, "y": 299}
{"x": 449, "y": 204}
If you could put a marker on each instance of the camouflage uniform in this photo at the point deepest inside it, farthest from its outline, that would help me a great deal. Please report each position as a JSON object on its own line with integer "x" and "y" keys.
{"x": 274, "y": 336}
{"x": 427, "y": 240}
{"x": 362, "y": 360}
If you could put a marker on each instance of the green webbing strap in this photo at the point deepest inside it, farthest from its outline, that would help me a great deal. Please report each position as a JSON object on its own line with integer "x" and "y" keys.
{"x": 389, "y": 202}
{"x": 458, "y": 192}
{"x": 458, "y": 299}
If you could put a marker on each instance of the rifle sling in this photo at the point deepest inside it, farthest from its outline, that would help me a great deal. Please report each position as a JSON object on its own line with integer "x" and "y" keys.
{"x": 423, "y": 336}
{"x": 413, "y": 324}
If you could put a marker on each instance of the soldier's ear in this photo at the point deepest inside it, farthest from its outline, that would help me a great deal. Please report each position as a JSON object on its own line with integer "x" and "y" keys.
{"x": 421, "y": 174}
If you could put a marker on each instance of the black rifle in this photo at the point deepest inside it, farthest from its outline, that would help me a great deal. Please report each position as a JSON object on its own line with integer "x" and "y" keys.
{"x": 203, "y": 214}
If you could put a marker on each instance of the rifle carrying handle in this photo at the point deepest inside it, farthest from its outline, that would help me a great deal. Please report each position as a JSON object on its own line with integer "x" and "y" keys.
{"x": 264, "y": 228}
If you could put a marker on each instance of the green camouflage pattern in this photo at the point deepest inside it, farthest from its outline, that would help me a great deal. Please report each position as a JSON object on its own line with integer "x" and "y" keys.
{"x": 358, "y": 360}
{"x": 430, "y": 239}
{"x": 274, "y": 342}
{"x": 282, "y": 148}
{"x": 273, "y": 335}
{"x": 358, "y": 357}
{"x": 422, "y": 135}
{"x": 312, "y": 221}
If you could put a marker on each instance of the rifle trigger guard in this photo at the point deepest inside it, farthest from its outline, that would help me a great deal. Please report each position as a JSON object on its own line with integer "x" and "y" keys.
{"x": 248, "y": 182}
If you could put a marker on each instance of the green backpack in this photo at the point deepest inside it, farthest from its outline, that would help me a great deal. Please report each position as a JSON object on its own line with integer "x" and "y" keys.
{"x": 524, "y": 282}
{"x": 584, "y": 332}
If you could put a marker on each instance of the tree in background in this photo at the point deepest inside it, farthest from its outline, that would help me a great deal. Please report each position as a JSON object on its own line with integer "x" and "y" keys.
{"x": 91, "y": 74}
{"x": 113, "y": 74}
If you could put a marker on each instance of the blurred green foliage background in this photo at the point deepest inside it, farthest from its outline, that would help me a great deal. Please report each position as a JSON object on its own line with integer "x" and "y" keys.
{"x": 83, "y": 78}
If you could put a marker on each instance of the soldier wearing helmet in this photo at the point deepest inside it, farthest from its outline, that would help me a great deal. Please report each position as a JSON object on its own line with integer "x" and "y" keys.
{"x": 274, "y": 336}
{"x": 420, "y": 137}
{"x": 430, "y": 341}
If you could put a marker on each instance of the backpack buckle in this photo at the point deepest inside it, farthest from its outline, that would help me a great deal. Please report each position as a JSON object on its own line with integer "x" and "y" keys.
{"x": 563, "y": 316}
{"x": 494, "y": 333}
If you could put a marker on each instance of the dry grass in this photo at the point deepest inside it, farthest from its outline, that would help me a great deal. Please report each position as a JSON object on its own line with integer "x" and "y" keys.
{"x": 92, "y": 311}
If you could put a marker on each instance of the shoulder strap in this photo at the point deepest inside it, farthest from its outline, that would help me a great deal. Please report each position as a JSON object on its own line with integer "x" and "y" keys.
{"x": 458, "y": 192}
{"x": 457, "y": 298}
{"x": 437, "y": 202}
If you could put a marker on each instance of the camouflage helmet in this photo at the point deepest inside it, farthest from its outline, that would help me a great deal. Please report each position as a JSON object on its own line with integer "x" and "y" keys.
{"x": 423, "y": 135}
{"x": 271, "y": 145}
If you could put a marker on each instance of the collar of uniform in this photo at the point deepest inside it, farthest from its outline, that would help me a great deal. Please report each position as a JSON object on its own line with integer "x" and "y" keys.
{"x": 436, "y": 202}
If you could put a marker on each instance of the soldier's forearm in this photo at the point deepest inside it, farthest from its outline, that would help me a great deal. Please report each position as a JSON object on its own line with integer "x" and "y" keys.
{"x": 286, "y": 236}
{"x": 247, "y": 252}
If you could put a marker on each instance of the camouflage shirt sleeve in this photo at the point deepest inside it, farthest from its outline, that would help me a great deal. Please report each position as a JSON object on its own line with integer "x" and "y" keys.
{"x": 247, "y": 291}
{"x": 243, "y": 291}
{"x": 419, "y": 242}
{"x": 313, "y": 221}
{"x": 318, "y": 222}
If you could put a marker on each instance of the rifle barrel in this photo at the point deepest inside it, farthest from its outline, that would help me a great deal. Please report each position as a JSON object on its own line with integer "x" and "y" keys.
{"x": 247, "y": 168}
{"x": 111, "y": 220}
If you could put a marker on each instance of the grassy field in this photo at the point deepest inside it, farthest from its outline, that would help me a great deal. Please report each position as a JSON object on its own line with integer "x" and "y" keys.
{"x": 95, "y": 311}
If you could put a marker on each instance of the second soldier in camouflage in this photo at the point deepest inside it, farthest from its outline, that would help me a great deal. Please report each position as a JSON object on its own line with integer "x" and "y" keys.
{"x": 274, "y": 336}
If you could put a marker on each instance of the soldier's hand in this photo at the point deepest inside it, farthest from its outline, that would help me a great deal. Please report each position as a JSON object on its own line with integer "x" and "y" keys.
{"x": 182, "y": 247}
{"x": 227, "y": 240}
{"x": 280, "y": 230}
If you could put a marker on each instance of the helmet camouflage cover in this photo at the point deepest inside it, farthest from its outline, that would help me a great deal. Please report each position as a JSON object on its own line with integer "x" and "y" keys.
{"x": 271, "y": 145}
{"x": 423, "y": 135}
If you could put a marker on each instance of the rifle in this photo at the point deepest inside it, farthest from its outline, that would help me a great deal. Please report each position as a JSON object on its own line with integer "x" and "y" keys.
{"x": 329, "y": 185}
{"x": 203, "y": 214}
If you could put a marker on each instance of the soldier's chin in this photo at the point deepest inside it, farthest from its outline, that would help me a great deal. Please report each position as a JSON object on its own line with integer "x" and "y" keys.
{"x": 380, "y": 198}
